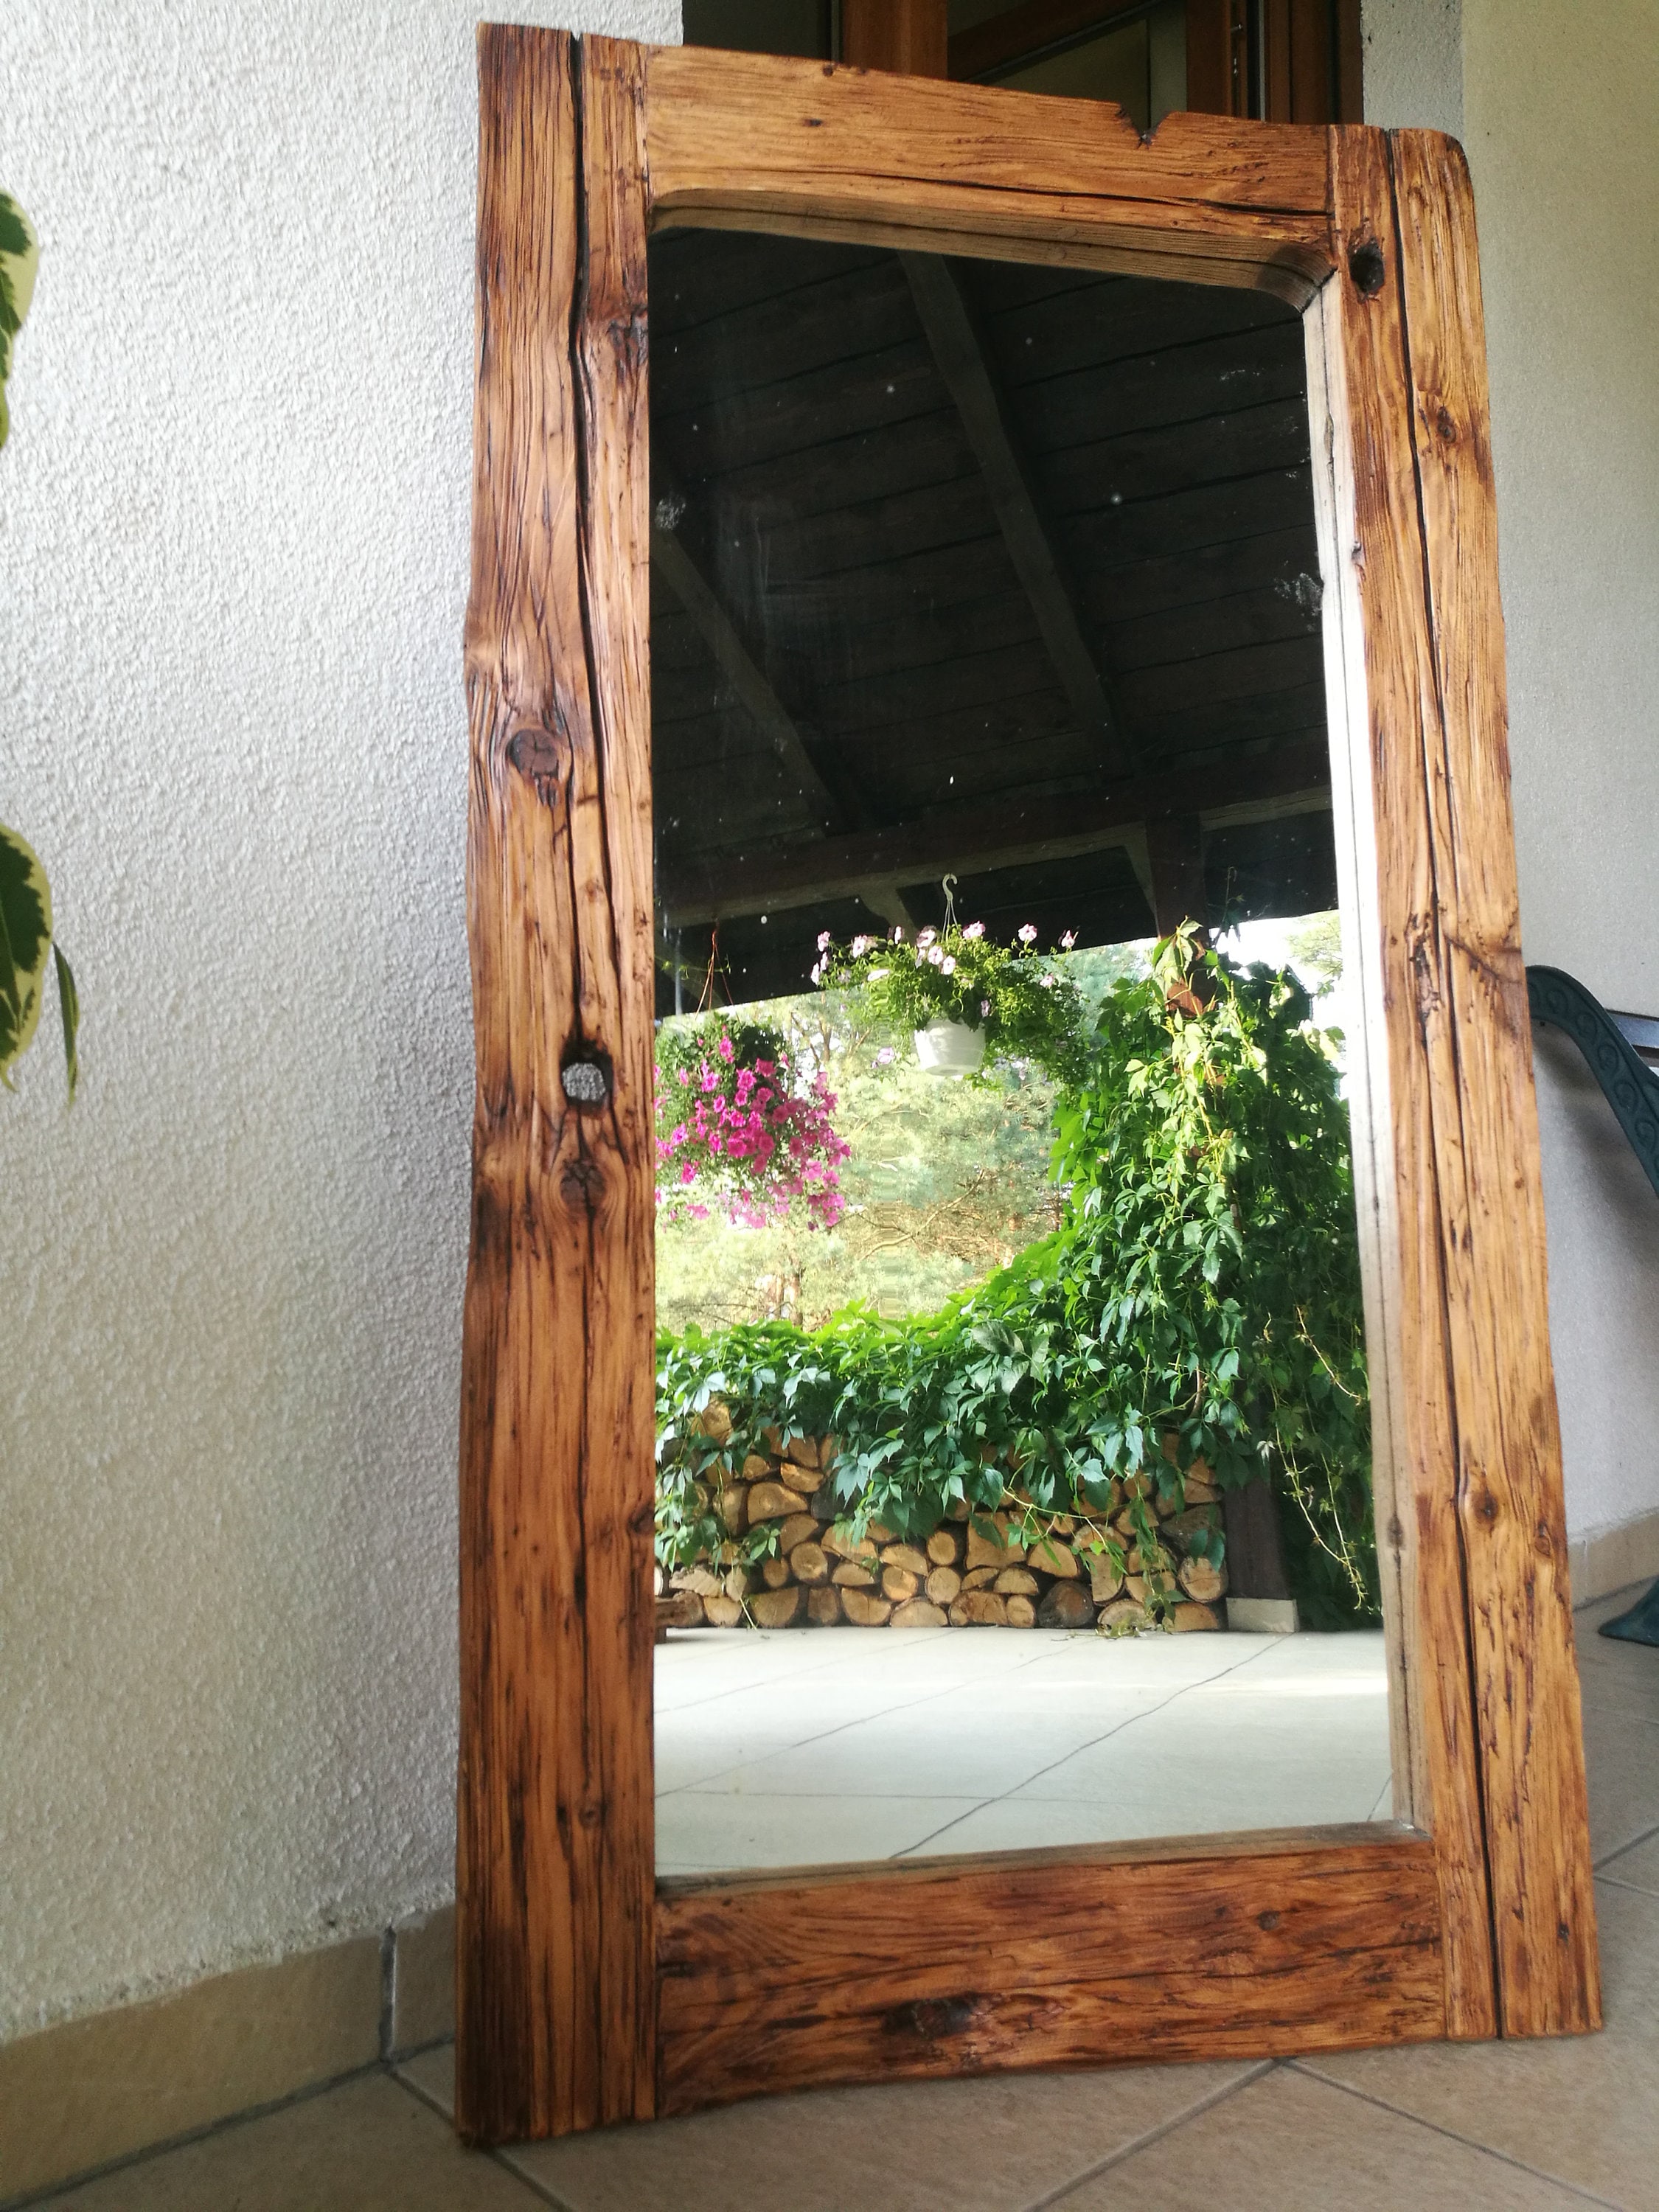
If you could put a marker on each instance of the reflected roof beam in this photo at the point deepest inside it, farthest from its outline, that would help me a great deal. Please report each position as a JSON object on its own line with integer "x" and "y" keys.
{"x": 737, "y": 665}
{"x": 961, "y": 358}
{"x": 1013, "y": 832}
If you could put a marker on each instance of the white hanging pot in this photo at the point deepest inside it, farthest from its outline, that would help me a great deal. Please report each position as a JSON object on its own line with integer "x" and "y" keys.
{"x": 949, "y": 1048}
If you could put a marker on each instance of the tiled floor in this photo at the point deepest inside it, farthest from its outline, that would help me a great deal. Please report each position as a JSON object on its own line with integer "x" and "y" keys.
{"x": 777, "y": 1750}
{"x": 1526, "y": 2127}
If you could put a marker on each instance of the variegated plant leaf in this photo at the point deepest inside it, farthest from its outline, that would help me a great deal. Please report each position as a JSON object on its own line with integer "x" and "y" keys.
{"x": 20, "y": 257}
{"x": 24, "y": 946}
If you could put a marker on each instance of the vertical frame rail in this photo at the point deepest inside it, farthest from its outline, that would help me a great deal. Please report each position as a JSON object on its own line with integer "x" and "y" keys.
{"x": 556, "y": 1986}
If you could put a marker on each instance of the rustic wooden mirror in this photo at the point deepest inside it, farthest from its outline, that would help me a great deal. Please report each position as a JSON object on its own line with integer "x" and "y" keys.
{"x": 588, "y": 1991}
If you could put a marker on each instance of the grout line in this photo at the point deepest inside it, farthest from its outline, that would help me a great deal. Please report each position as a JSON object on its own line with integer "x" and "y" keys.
{"x": 388, "y": 1992}
{"x": 1150, "y": 2135}
{"x": 493, "y": 2152}
{"x": 1619, "y": 1850}
{"x": 150, "y": 2152}
{"x": 1630, "y": 1889}
{"x": 1093, "y": 1744}
{"x": 883, "y": 1713}
{"x": 1436, "y": 2127}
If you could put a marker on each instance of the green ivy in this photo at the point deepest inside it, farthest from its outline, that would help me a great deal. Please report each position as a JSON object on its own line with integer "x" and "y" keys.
{"x": 1200, "y": 1302}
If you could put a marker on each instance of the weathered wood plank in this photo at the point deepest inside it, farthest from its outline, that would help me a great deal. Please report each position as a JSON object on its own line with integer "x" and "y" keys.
{"x": 556, "y": 2028}
{"x": 1379, "y": 660}
{"x": 1511, "y": 1509}
{"x": 758, "y": 140}
{"x": 1254, "y": 1944}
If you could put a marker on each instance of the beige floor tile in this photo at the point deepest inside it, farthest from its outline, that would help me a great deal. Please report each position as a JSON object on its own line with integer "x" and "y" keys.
{"x": 1585, "y": 2108}
{"x": 1636, "y": 1868}
{"x": 368, "y": 2146}
{"x": 1289, "y": 2143}
{"x": 1621, "y": 1759}
{"x": 995, "y": 2144}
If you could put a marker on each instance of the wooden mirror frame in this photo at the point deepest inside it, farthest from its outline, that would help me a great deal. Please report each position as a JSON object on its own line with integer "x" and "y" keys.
{"x": 587, "y": 1990}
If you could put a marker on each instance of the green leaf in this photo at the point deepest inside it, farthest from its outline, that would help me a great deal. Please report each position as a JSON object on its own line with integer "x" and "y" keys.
{"x": 20, "y": 258}
{"x": 68, "y": 1008}
{"x": 25, "y": 942}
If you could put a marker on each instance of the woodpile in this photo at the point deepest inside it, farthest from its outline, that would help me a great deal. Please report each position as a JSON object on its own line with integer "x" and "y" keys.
{"x": 971, "y": 1572}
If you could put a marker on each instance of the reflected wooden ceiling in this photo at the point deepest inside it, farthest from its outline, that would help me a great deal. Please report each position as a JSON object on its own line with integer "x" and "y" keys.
{"x": 1006, "y": 572}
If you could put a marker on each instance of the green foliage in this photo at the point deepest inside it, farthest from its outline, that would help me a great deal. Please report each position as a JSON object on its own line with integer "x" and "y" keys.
{"x": 1315, "y": 951}
{"x": 25, "y": 934}
{"x": 20, "y": 257}
{"x": 1200, "y": 1302}
{"x": 1027, "y": 1005}
{"x": 26, "y": 950}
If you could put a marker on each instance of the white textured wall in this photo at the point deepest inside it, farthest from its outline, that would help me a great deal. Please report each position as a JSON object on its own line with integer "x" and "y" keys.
{"x": 233, "y": 565}
{"x": 1413, "y": 64}
{"x": 1558, "y": 100}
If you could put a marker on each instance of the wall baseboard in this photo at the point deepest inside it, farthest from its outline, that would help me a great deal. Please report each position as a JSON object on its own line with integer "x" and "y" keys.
{"x": 91, "y": 2093}
{"x": 1602, "y": 1560}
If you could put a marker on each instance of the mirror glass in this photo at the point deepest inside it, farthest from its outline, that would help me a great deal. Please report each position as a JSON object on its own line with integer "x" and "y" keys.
{"x": 1014, "y": 1446}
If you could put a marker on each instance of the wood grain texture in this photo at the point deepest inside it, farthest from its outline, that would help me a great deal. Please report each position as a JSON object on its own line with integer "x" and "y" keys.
{"x": 1218, "y": 1946}
{"x": 582, "y": 1999}
{"x": 1511, "y": 1509}
{"x": 753, "y": 139}
{"x": 554, "y": 1935}
{"x": 1470, "y": 1508}
{"x": 1376, "y": 628}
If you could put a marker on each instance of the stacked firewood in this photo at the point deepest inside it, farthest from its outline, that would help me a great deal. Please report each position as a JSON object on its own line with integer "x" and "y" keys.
{"x": 974, "y": 1571}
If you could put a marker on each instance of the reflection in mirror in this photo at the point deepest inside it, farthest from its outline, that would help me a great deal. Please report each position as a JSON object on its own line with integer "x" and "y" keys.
{"x": 1014, "y": 1484}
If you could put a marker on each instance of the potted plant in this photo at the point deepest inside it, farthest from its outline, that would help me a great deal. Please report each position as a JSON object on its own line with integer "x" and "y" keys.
{"x": 962, "y": 996}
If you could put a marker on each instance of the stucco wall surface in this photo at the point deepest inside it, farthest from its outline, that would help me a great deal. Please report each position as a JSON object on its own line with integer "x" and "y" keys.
{"x": 1560, "y": 99}
{"x": 1555, "y": 102}
{"x": 233, "y": 540}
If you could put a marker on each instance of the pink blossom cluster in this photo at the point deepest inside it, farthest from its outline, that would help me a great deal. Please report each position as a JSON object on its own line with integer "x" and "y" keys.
{"x": 741, "y": 1137}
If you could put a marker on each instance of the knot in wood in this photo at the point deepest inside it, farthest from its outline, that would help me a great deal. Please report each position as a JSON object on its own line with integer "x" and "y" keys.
{"x": 1367, "y": 268}
{"x": 541, "y": 758}
{"x": 933, "y": 2017}
{"x": 582, "y": 1185}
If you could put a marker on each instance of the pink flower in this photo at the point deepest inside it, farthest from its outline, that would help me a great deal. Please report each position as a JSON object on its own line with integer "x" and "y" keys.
{"x": 984, "y": 1006}
{"x": 974, "y": 932}
{"x": 1068, "y": 939}
{"x": 1028, "y": 933}
{"x": 926, "y": 937}
{"x": 936, "y": 958}
{"x": 883, "y": 1058}
{"x": 1048, "y": 982}
{"x": 724, "y": 1048}
{"x": 861, "y": 945}
{"x": 687, "y": 1173}
{"x": 947, "y": 967}
{"x": 824, "y": 941}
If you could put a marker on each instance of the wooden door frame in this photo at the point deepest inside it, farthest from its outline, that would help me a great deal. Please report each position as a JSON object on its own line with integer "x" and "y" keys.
{"x": 587, "y": 1990}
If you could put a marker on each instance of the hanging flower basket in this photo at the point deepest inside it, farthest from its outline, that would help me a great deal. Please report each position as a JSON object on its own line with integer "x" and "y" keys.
{"x": 949, "y": 1048}
{"x": 965, "y": 999}
{"x": 739, "y": 1134}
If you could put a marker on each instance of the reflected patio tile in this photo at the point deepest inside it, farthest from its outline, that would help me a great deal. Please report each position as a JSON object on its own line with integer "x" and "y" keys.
{"x": 720, "y": 1830}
